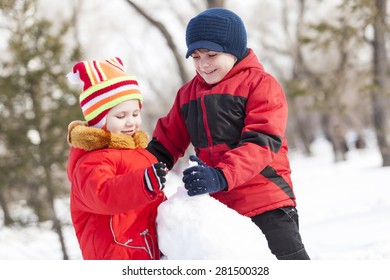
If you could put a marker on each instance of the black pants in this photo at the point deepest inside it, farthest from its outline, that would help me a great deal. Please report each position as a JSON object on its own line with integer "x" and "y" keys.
{"x": 281, "y": 228}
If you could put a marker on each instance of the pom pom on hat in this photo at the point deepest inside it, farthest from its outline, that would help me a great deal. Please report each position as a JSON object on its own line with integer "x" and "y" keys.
{"x": 74, "y": 78}
{"x": 105, "y": 85}
{"x": 219, "y": 30}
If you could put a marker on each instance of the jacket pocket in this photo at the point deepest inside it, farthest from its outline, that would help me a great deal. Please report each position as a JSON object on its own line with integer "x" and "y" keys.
{"x": 292, "y": 213}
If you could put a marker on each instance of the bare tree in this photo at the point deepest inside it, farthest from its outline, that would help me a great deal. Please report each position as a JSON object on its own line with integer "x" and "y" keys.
{"x": 184, "y": 76}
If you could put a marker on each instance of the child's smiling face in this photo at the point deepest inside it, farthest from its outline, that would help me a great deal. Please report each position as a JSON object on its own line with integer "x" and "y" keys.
{"x": 212, "y": 66}
{"x": 124, "y": 118}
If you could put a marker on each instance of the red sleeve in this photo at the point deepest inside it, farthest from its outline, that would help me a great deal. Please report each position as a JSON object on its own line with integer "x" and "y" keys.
{"x": 171, "y": 131}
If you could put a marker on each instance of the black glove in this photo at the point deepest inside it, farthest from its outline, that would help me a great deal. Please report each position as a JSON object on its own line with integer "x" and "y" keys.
{"x": 201, "y": 178}
{"x": 155, "y": 176}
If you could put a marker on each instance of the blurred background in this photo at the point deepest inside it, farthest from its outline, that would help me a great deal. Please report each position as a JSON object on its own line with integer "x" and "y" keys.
{"x": 332, "y": 58}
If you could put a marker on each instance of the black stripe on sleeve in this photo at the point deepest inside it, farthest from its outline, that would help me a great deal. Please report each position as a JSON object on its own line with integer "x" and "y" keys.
{"x": 274, "y": 142}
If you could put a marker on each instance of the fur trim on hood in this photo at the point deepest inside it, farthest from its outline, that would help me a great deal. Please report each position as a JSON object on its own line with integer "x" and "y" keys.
{"x": 80, "y": 135}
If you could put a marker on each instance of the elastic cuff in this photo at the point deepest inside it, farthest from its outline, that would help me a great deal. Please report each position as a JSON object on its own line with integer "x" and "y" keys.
{"x": 300, "y": 255}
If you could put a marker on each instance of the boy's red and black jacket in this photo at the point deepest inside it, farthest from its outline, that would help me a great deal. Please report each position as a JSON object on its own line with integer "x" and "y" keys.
{"x": 237, "y": 125}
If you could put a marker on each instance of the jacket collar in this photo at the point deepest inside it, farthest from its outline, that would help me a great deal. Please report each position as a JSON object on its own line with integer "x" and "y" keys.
{"x": 81, "y": 136}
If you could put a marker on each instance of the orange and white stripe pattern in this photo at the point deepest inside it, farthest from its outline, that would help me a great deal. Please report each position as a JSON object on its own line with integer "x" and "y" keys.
{"x": 105, "y": 86}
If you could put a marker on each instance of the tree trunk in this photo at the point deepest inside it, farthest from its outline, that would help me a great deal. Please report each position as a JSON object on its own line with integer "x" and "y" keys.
{"x": 301, "y": 127}
{"x": 215, "y": 3}
{"x": 380, "y": 101}
{"x": 57, "y": 226}
{"x": 4, "y": 206}
{"x": 299, "y": 71}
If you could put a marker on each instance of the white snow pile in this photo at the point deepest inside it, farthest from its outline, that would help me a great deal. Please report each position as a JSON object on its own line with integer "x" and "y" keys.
{"x": 202, "y": 228}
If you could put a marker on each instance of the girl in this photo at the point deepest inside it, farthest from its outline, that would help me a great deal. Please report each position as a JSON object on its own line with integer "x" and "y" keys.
{"x": 116, "y": 183}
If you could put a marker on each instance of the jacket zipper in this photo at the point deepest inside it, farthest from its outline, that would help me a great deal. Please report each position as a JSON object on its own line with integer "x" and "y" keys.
{"x": 208, "y": 133}
{"x": 148, "y": 249}
{"x": 145, "y": 233}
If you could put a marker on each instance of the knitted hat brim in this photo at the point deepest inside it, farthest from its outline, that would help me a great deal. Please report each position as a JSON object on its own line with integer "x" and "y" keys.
{"x": 208, "y": 45}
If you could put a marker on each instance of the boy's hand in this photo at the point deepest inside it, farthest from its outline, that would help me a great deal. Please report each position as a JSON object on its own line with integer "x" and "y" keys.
{"x": 202, "y": 179}
{"x": 155, "y": 176}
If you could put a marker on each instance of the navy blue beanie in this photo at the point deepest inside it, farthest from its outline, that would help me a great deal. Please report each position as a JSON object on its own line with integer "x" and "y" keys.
{"x": 218, "y": 30}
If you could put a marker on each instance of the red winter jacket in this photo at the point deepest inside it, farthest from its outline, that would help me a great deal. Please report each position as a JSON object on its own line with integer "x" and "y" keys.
{"x": 113, "y": 213}
{"x": 237, "y": 125}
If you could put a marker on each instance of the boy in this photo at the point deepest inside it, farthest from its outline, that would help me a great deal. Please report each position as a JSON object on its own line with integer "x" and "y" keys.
{"x": 234, "y": 114}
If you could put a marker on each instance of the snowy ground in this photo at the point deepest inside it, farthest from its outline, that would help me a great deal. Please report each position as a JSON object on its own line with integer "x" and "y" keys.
{"x": 343, "y": 209}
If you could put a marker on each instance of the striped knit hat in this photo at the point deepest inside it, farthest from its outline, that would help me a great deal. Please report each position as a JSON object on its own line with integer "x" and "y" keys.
{"x": 105, "y": 86}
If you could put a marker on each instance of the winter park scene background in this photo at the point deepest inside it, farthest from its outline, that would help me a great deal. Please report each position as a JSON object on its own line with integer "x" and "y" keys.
{"x": 344, "y": 206}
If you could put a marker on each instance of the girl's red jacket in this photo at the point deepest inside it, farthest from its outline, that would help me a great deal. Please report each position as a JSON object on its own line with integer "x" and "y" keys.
{"x": 237, "y": 125}
{"x": 113, "y": 213}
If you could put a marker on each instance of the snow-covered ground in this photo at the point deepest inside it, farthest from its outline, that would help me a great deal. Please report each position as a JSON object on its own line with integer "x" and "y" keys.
{"x": 343, "y": 208}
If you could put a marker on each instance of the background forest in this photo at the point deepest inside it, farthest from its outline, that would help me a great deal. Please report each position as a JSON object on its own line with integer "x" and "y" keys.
{"x": 332, "y": 58}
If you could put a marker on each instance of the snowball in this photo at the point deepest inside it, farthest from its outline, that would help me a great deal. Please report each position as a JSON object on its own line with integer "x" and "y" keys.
{"x": 202, "y": 228}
